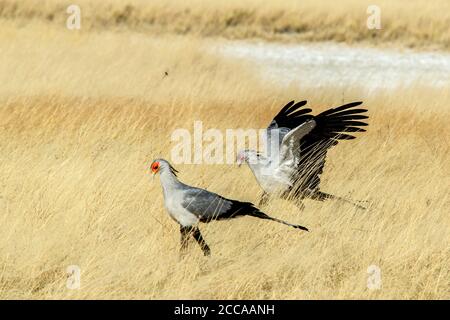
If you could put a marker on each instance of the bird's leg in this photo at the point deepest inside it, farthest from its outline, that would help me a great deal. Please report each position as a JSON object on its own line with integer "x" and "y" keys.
{"x": 264, "y": 199}
{"x": 299, "y": 204}
{"x": 198, "y": 237}
{"x": 322, "y": 196}
{"x": 295, "y": 198}
{"x": 184, "y": 231}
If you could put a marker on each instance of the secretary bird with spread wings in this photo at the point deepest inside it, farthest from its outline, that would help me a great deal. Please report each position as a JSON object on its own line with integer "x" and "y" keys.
{"x": 189, "y": 205}
{"x": 297, "y": 144}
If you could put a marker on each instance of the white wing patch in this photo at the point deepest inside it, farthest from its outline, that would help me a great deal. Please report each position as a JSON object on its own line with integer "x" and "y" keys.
{"x": 290, "y": 146}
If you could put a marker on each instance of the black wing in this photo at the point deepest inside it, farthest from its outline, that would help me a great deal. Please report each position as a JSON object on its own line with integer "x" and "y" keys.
{"x": 291, "y": 116}
{"x": 211, "y": 206}
{"x": 208, "y": 206}
{"x": 331, "y": 126}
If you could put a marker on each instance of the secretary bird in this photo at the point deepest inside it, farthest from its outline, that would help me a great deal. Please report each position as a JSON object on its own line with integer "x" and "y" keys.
{"x": 189, "y": 205}
{"x": 297, "y": 144}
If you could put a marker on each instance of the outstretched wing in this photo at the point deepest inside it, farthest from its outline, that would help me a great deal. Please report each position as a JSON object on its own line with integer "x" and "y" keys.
{"x": 331, "y": 126}
{"x": 208, "y": 205}
{"x": 290, "y": 117}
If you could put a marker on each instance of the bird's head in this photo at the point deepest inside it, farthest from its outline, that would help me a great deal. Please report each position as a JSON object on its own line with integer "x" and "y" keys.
{"x": 160, "y": 166}
{"x": 248, "y": 156}
{"x": 155, "y": 167}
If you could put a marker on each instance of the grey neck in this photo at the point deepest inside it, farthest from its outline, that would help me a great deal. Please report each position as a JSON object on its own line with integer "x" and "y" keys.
{"x": 169, "y": 182}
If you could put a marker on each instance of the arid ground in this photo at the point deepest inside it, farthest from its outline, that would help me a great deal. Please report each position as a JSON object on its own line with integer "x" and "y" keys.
{"x": 84, "y": 112}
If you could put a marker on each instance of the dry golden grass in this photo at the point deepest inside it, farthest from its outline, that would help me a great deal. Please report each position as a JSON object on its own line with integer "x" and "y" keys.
{"x": 79, "y": 127}
{"x": 416, "y": 23}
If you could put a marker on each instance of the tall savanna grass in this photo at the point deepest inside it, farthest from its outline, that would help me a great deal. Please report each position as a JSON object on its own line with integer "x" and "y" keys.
{"x": 416, "y": 23}
{"x": 83, "y": 114}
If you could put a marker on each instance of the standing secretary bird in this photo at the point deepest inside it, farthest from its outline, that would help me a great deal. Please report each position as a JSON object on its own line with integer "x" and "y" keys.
{"x": 297, "y": 144}
{"x": 189, "y": 205}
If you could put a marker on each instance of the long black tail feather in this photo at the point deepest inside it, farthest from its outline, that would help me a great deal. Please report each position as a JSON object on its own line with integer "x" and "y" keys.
{"x": 239, "y": 209}
{"x": 262, "y": 215}
{"x": 259, "y": 214}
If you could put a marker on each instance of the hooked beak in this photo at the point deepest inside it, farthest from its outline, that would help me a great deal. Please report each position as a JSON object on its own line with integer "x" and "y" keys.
{"x": 239, "y": 161}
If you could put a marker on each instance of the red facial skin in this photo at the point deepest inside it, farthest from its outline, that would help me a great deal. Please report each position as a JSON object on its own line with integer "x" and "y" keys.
{"x": 155, "y": 167}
